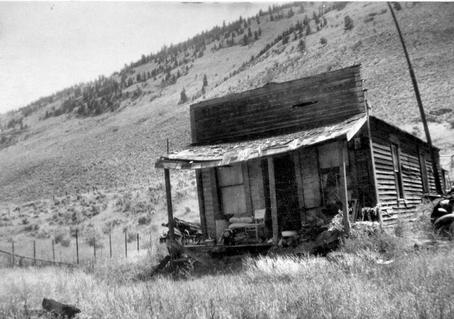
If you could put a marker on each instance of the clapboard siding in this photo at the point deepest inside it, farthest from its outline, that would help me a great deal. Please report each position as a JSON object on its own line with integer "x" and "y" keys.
{"x": 271, "y": 109}
{"x": 430, "y": 176}
{"x": 386, "y": 183}
{"x": 411, "y": 172}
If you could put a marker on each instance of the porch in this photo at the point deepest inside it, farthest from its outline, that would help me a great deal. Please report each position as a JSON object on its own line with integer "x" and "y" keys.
{"x": 254, "y": 193}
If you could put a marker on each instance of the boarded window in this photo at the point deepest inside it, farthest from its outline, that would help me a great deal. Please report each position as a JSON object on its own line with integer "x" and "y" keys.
{"x": 397, "y": 170}
{"x": 230, "y": 181}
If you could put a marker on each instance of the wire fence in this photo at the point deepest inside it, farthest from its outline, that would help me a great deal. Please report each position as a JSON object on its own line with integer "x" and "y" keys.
{"x": 76, "y": 250}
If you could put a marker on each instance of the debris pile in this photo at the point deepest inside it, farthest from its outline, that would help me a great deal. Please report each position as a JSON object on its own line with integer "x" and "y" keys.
{"x": 442, "y": 216}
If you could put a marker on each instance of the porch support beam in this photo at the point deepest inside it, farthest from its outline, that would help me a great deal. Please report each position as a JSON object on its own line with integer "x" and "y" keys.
{"x": 273, "y": 200}
{"x": 169, "y": 204}
{"x": 201, "y": 200}
{"x": 343, "y": 185}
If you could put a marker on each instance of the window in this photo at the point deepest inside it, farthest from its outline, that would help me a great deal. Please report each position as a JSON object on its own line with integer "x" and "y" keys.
{"x": 397, "y": 170}
{"x": 230, "y": 181}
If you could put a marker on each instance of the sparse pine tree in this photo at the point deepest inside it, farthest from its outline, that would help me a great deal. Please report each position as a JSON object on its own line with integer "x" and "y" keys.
{"x": 348, "y": 23}
{"x": 260, "y": 32}
{"x": 308, "y": 29}
{"x": 325, "y": 23}
{"x": 183, "y": 97}
{"x": 205, "y": 80}
{"x": 302, "y": 45}
{"x": 315, "y": 17}
{"x": 249, "y": 32}
{"x": 245, "y": 40}
{"x": 285, "y": 40}
{"x": 256, "y": 35}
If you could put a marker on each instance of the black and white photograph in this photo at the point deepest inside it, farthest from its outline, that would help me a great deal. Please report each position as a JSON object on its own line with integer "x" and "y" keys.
{"x": 278, "y": 160}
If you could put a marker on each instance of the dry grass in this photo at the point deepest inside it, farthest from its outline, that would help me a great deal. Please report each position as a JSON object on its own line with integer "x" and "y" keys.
{"x": 344, "y": 285}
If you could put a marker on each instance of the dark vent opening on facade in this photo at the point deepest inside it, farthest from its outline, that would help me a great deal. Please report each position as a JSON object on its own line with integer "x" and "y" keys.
{"x": 305, "y": 104}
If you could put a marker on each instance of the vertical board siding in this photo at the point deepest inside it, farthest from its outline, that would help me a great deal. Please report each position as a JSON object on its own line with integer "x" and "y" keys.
{"x": 282, "y": 107}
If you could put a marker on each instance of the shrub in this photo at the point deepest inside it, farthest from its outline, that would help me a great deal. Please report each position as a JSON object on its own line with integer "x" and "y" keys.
{"x": 131, "y": 236}
{"x": 59, "y": 236}
{"x": 31, "y": 227}
{"x": 65, "y": 242}
{"x": 183, "y": 97}
{"x": 397, "y": 6}
{"x": 302, "y": 45}
{"x": 144, "y": 220}
{"x": 348, "y": 23}
{"x": 323, "y": 41}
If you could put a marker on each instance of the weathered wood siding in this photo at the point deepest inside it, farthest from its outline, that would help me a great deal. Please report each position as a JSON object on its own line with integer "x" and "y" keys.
{"x": 256, "y": 184}
{"x": 310, "y": 177}
{"x": 278, "y": 108}
{"x": 430, "y": 175}
{"x": 211, "y": 204}
{"x": 362, "y": 179}
{"x": 383, "y": 136}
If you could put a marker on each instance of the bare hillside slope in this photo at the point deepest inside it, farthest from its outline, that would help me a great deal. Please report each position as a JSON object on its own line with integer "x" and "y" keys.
{"x": 49, "y": 153}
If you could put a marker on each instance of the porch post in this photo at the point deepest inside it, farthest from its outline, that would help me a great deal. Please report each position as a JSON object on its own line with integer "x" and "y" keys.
{"x": 273, "y": 201}
{"x": 169, "y": 204}
{"x": 343, "y": 185}
{"x": 201, "y": 199}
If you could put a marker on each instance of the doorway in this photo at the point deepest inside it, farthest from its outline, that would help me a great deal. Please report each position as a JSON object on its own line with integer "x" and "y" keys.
{"x": 286, "y": 193}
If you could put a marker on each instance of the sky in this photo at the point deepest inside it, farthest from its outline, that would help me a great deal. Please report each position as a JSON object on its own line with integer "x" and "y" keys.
{"x": 48, "y": 46}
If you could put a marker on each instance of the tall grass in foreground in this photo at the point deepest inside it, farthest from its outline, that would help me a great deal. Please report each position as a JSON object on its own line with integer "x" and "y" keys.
{"x": 416, "y": 285}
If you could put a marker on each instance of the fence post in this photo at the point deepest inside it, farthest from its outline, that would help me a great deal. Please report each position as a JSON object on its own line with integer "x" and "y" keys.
{"x": 34, "y": 252}
{"x": 12, "y": 254}
{"x": 94, "y": 247}
{"x": 137, "y": 241}
{"x": 53, "y": 250}
{"x": 77, "y": 246}
{"x": 126, "y": 243}
{"x": 110, "y": 244}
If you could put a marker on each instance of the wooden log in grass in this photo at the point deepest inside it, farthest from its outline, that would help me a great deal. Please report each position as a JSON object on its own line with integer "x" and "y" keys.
{"x": 60, "y": 309}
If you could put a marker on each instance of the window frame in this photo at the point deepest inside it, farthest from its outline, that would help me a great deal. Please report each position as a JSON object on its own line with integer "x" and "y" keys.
{"x": 221, "y": 187}
{"x": 397, "y": 169}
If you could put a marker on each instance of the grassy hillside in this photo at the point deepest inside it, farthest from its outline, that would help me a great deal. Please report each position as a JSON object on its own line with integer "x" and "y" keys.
{"x": 107, "y": 134}
{"x": 70, "y": 152}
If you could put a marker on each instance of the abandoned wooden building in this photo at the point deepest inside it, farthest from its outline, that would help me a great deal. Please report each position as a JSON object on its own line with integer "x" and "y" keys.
{"x": 287, "y": 155}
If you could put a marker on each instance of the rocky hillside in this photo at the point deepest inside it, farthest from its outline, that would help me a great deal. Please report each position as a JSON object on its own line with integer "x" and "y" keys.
{"x": 108, "y": 133}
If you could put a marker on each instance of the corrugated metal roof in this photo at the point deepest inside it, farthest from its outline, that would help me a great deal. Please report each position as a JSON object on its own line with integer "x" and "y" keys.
{"x": 195, "y": 157}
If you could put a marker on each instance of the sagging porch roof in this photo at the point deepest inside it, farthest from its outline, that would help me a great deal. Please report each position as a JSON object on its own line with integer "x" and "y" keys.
{"x": 203, "y": 156}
